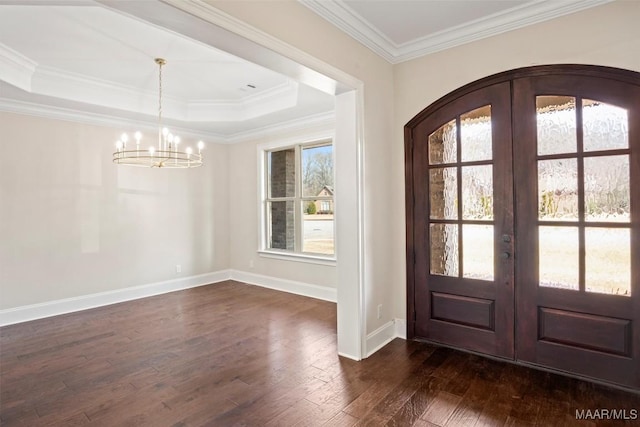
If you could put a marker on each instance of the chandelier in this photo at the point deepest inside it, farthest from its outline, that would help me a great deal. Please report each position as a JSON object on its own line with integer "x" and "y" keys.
{"x": 167, "y": 154}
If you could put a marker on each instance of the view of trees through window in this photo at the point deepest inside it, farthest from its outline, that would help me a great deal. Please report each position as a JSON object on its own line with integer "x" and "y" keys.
{"x": 604, "y": 187}
{"x": 598, "y": 174}
{"x": 317, "y": 169}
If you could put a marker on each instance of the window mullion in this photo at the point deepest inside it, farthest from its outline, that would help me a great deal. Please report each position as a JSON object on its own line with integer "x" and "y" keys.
{"x": 281, "y": 199}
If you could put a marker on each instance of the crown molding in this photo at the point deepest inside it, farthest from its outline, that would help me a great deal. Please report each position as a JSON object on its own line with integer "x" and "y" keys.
{"x": 15, "y": 68}
{"x": 323, "y": 120}
{"x": 342, "y": 16}
{"x": 78, "y": 116}
{"x": 349, "y": 21}
{"x": 320, "y": 120}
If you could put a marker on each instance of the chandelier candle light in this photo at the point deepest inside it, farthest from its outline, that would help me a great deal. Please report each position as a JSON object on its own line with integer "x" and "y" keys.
{"x": 167, "y": 155}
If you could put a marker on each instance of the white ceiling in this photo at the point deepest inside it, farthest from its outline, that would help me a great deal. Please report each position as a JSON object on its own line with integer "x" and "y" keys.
{"x": 400, "y": 30}
{"x": 86, "y": 58}
{"x": 93, "y": 60}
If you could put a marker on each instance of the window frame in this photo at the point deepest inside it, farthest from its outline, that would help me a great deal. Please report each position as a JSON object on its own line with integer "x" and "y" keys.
{"x": 298, "y": 199}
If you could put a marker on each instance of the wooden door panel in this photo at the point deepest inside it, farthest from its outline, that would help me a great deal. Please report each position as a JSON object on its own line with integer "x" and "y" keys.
{"x": 453, "y": 304}
{"x": 602, "y": 366}
{"x": 457, "y": 335}
{"x": 469, "y": 311}
{"x": 582, "y": 330}
{"x": 576, "y": 329}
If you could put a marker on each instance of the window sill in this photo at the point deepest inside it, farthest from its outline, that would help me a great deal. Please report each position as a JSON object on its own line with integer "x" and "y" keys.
{"x": 287, "y": 256}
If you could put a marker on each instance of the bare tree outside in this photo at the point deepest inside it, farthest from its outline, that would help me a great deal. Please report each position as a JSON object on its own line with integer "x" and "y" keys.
{"x": 317, "y": 169}
{"x": 605, "y": 189}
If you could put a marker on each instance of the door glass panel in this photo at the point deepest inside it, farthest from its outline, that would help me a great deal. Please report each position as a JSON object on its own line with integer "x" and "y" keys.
{"x": 606, "y": 127}
{"x": 608, "y": 260}
{"x": 556, "y": 124}
{"x": 475, "y": 135}
{"x": 443, "y": 144}
{"x": 607, "y": 195}
{"x": 558, "y": 257}
{"x": 558, "y": 190}
{"x": 477, "y": 251}
{"x": 444, "y": 249}
{"x": 443, "y": 193}
{"x": 477, "y": 192}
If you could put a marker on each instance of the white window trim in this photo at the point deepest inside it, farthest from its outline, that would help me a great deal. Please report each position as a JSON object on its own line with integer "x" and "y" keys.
{"x": 263, "y": 249}
{"x": 297, "y": 257}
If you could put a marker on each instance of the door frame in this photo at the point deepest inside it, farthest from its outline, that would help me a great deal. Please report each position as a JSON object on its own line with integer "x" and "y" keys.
{"x": 211, "y": 26}
{"x": 615, "y": 74}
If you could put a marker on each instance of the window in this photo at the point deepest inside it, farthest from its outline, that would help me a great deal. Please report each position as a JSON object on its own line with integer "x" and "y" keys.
{"x": 298, "y": 203}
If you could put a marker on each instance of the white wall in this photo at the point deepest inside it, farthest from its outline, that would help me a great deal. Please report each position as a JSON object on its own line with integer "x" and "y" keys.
{"x": 605, "y": 35}
{"x": 72, "y": 223}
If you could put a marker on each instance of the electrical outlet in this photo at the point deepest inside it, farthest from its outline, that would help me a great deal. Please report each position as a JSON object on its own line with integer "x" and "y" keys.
{"x": 178, "y": 268}
{"x": 379, "y": 311}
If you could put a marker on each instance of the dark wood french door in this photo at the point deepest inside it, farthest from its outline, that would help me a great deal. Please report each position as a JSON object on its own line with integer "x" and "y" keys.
{"x": 464, "y": 293}
{"x": 523, "y": 220}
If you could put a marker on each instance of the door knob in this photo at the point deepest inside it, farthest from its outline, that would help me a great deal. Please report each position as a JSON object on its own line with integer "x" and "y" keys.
{"x": 505, "y": 255}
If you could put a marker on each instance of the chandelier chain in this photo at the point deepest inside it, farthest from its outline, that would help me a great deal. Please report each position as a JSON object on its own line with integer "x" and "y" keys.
{"x": 160, "y": 64}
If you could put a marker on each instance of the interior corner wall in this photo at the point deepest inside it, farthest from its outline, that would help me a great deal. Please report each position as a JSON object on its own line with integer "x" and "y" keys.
{"x": 296, "y": 25}
{"x": 606, "y": 35}
{"x": 74, "y": 224}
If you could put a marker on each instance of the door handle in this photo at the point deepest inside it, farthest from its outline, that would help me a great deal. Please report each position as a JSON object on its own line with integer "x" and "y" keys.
{"x": 505, "y": 255}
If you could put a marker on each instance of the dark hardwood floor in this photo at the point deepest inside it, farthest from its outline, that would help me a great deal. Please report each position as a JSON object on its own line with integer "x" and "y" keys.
{"x": 236, "y": 355}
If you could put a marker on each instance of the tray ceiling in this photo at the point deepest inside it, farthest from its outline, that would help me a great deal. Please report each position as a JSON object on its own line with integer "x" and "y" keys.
{"x": 84, "y": 57}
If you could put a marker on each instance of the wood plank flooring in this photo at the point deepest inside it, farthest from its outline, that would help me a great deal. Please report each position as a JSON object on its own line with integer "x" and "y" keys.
{"x": 231, "y": 354}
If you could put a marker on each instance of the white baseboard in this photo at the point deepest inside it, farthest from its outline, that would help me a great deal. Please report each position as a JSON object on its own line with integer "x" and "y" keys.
{"x": 84, "y": 302}
{"x": 293, "y": 287}
{"x": 375, "y": 340}
{"x": 401, "y": 328}
{"x": 350, "y": 356}
{"x": 380, "y": 337}
{"x": 386, "y": 333}
{"x": 68, "y": 305}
